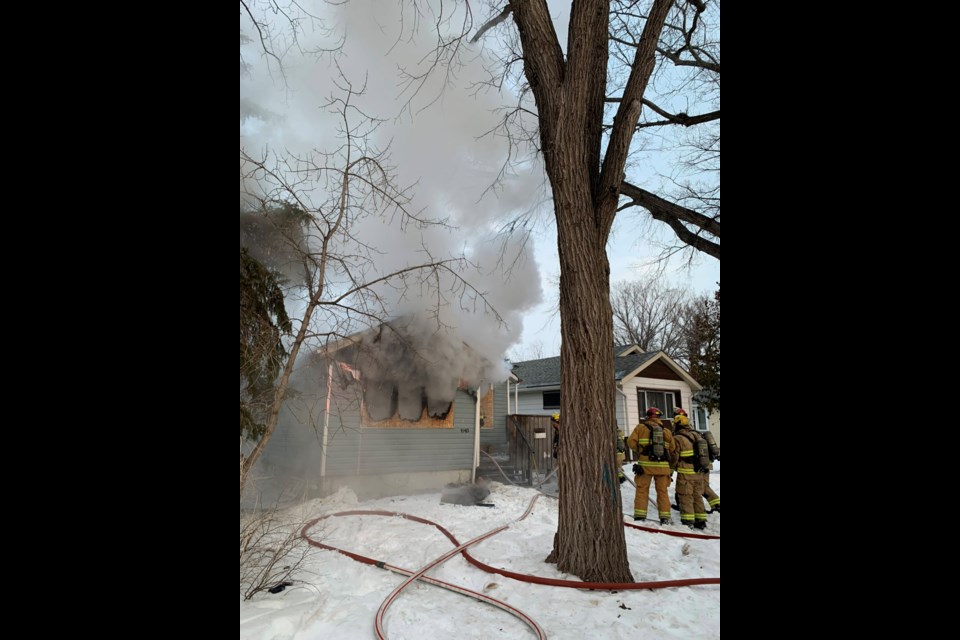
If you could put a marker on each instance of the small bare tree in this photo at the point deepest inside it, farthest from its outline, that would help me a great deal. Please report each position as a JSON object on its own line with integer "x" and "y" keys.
{"x": 652, "y": 315}
{"x": 272, "y": 553}
{"x": 341, "y": 288}
{"x": 533, "y": 351}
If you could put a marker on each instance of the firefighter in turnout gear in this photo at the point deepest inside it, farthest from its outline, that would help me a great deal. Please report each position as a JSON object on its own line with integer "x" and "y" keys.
{"x": 709, "y": 494}
{"x": 713, "y": 500}
{"x": 621, "y": 456}
{"x": 555, "y": 423}
{"x": 691, "y": 472}
{"x": 654, "y": 445}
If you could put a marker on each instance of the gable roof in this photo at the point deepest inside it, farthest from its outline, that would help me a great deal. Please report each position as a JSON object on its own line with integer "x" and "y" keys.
{"x": 625, "y": 365}
{"x": 667, "y": 360}
{"x": 626, "y": 349}
{"x": 546, "y": 372}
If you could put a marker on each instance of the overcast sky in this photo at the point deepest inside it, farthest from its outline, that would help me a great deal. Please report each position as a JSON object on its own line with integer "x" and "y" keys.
{"x": 440, "y": 148}
{"x": 633, "y": 256}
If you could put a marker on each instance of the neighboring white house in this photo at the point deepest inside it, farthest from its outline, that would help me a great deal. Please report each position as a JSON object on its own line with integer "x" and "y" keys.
{"x": 643, "y": 380}
{"x": 704, "y": 419}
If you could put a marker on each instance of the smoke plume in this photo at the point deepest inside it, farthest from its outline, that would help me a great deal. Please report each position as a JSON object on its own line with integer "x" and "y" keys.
{"x": 438, "y": 134}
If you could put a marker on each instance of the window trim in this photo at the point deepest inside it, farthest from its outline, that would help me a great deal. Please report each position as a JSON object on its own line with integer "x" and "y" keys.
{"x": 642, "y": 406}
{"x": 705, "y": 426}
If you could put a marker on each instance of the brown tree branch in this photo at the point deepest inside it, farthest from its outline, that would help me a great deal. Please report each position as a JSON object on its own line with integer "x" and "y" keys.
{"x": 674, "y": 57}
{"x": 490, "y": 24}
{"x": 675, "y": 215}
{"x": 679, "y": 118}
{"x": 624, "y": 122}
{"x": 543, "y": 66}
{"x": 673, "y": 118}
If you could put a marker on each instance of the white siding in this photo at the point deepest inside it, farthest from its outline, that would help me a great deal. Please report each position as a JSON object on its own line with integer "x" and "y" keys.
{"x": 621, "y": 426}
{"x": 531, "y": 402}
{"x": 714, "y": 421}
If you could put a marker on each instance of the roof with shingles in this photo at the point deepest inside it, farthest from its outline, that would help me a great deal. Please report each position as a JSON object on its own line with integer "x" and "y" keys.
{"x": 546, "y": 372}
{"x": 628, "y": 364}
{"x": 538, "y": 373}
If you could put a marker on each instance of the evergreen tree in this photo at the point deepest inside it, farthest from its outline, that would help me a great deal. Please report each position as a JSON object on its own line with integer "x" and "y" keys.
{"x": 263, "y": 322}
{"x": 704, "y": 345}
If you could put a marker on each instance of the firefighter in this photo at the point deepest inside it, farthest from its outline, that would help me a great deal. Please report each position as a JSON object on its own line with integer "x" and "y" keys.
{"x": 620, "y": 456}
{"x": 555, "y": 423}
{"x": 708, "y": 494}
{"x": 691, "y": 473}
{"x": 654, "y": 463}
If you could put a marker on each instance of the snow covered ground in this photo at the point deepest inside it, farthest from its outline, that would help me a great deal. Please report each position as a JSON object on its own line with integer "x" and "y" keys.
{"x": 338, "y": 597}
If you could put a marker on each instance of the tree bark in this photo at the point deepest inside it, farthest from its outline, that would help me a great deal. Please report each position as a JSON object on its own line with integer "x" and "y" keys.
{"x": 590, "y": 541}
{"x": 570, "y": 96}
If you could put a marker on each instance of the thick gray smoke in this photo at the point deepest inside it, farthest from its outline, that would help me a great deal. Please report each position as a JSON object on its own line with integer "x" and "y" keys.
{"x": 423, "y": 363}
{"x": 438, "y": 145}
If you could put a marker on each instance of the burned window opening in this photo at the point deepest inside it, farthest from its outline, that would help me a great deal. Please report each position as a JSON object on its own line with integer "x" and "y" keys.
{"x": 386, "y": 401}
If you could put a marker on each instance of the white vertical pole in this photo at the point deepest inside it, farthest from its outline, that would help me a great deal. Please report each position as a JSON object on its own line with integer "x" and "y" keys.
{"x": 476, "y": 438}
{"x": 326, "y": 422}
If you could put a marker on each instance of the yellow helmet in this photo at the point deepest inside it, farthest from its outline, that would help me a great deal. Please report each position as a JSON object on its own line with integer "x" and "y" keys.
{"x": 555, "y": 417}
{"x": 681, "y": 421}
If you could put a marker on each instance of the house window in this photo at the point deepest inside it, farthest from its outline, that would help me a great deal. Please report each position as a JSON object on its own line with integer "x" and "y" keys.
{"x": 551, "y": 399}
{"x": 700, "y": 420}
{"x": 662, "y": 400}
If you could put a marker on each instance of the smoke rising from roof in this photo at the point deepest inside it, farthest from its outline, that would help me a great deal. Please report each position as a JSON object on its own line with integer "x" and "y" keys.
{"x": 436, "y": 143}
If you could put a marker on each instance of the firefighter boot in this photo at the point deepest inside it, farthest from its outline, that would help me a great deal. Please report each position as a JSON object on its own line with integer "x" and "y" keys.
{"x": 700, "y": 524}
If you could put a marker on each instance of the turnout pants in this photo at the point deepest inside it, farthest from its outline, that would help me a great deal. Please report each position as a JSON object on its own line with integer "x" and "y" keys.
{"x": 643, "y": 491}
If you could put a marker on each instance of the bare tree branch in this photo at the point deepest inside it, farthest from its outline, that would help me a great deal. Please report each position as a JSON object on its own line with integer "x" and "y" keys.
{"x": 492, "y": 23}
{"x": 675, "y": 58}
{"x": 674, "y": 215}
{"x": 624, "y": 122}
{"x": 673, "y": 118}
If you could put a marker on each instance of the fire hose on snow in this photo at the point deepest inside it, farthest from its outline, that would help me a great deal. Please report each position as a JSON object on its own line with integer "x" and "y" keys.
{"x": 462, "y": 549}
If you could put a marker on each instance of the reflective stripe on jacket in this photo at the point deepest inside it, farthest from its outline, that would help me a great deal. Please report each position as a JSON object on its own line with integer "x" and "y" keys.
{"x": 640, "y": 439}
{"x": 686, "y": 442}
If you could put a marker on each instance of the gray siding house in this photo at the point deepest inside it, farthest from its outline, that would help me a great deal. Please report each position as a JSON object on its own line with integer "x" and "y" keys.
{"x": 381, "y": 428}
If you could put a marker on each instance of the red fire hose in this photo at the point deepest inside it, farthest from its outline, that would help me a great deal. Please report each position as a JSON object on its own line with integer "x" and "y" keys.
{"x": 461, "y": 548}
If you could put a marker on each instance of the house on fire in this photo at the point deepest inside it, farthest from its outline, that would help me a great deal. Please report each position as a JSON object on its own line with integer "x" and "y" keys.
{"x": 398, "y": 409}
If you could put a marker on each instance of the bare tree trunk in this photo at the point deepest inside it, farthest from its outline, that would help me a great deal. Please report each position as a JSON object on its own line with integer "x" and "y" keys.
{"x": 570, "y": 93}
{"x": 590, "y": 505}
